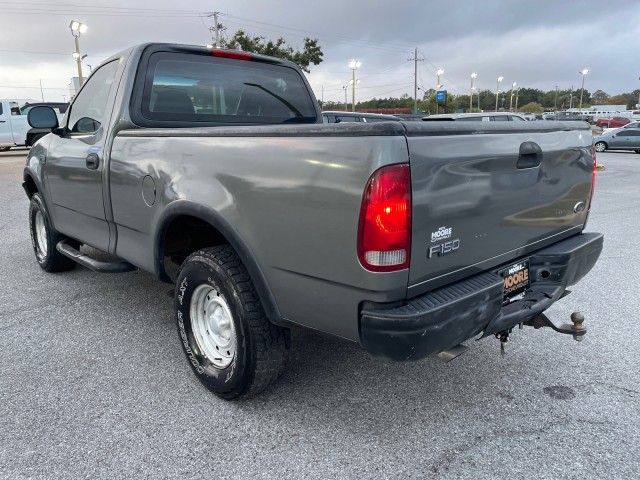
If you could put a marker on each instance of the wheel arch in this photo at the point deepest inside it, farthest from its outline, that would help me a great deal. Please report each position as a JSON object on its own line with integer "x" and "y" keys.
{"x": 30, "y": 184}
{"x": 183, "y": 218}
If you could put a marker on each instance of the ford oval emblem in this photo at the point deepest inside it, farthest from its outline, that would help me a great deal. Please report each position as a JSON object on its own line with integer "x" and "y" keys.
{"x": 579, "y": 207}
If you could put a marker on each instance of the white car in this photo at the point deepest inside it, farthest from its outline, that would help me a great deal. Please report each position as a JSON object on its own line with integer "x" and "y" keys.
{"x": 628, "y": 125}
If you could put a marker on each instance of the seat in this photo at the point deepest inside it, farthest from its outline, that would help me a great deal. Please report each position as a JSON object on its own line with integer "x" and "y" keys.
{"x": 173, "y": 101}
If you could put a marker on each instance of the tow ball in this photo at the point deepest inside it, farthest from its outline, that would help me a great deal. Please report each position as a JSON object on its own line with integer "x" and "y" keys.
{"x": 575, "y": 328}
{"x": 578, "y": 330}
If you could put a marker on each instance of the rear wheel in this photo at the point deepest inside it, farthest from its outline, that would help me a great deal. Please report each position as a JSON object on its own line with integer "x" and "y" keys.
{"x": 232, "y": 347}
{"x": 44, "y": 238}
{"x": 600, "y": 146}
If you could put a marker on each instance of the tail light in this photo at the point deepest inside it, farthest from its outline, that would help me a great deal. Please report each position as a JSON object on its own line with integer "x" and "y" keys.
{"x": 384, "y": 235}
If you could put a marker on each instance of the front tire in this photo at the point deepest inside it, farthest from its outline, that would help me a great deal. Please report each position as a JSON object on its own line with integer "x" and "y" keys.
{"x": 44, "y": 238}
{"x": 600, "y": 147}
{"x": 232, "y": 347}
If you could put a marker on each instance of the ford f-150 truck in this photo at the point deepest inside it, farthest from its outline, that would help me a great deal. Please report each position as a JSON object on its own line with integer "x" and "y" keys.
{"x": 213, "y": 170}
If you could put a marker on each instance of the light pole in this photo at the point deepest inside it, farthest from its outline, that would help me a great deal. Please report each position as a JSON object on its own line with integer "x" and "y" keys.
{"x": 439, "y": 73}
{"x": 517, "y": 91}
{"x": 473, "y": 76}
{"x": 511, "y": 98}
{"x": 76, "y": 29}
{"x": 497, "y": 92}
{"x": 638, "y": 96}
{"x": 353, "y": 65}
{"x": 555, "y": 102}
{"x": 346, "y": 105}
{"x": 584, "y": 74}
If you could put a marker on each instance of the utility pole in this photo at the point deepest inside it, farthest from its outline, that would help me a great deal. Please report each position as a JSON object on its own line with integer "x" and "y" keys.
{"x": 215, "y": 30}
{"x": 415, "y": 78}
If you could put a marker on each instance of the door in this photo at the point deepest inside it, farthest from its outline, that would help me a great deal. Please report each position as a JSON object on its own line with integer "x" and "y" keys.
{"x": 627, "y": 139}
{"x": 6, "y": 136}
{"x": 75, "y": 162}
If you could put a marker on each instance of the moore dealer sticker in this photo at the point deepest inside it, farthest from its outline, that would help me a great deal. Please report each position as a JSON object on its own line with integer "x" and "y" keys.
{"x": 442, "y": 233}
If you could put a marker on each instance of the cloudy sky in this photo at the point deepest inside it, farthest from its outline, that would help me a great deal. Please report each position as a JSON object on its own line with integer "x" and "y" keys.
{"x": 536, "y": 43}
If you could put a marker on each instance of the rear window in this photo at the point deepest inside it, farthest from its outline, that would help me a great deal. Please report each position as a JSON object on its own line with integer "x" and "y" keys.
{"x": 196, "y": 88}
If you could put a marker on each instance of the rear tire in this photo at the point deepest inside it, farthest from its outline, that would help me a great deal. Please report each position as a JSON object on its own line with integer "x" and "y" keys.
{"x": 232, "y": 347}
{"x": 600, "y": 147}
{"x": 44, "y": 238}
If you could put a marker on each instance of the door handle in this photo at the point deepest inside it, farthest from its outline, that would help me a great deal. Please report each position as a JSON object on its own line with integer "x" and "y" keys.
{"x": 530, "y": 155}
{"x": 93, "y": 161}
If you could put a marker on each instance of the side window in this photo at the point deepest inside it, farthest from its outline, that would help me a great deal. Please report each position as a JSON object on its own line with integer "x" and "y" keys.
{"x": 516, "y": 119}
{"x": 1, "y": 111}
{"x": 501, "y": 118}
{"x": 88, "y": 110}
{"x": 345, "y": 119}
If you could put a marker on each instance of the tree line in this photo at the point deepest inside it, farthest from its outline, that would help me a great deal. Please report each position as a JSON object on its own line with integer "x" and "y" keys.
{"x": 522, "y": 99}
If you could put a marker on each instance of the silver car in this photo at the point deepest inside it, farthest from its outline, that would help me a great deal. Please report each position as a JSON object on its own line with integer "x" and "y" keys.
{"x": 621, "y": 139}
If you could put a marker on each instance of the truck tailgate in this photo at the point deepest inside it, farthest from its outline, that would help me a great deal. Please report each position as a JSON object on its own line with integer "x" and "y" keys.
{"x": 483, "y": 196}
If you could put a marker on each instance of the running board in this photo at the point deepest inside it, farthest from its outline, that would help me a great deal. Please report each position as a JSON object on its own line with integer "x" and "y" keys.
{"x": 91, "y": 263}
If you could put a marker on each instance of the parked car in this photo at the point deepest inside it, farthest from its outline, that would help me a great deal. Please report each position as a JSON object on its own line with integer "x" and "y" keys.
{"x": 623, "y": 139}
{"x": 628, "y": 125}
{"x": 343, "y": 117}
{"x": 410, "y": 117}
{"x": 478, "y": 117}
{"x": 613, "y": 122}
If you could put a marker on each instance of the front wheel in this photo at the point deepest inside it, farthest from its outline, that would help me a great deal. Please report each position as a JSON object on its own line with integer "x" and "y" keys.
{"x": 600, "y": 146}
{"x": 232, "y": 347}
{"x": 44, "y": 238}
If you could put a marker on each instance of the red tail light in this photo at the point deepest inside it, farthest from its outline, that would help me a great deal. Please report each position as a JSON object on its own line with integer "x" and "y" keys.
{"x": 235, "y": 55}
{"x": 384, "y": 236}
{"x": 593, "y": 178}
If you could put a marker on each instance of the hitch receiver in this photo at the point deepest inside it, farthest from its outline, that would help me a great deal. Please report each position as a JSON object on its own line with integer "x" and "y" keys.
{"x": 577, "y": 329}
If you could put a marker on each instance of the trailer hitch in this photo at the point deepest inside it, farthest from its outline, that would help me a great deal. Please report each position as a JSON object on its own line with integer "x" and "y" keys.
{"x": 577, "y": 329}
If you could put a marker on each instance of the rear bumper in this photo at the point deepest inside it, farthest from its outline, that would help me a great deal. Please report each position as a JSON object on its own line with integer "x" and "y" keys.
{"x": 445, "y": 317}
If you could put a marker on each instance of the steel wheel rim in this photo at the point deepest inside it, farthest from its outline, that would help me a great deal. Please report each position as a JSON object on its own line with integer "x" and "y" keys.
{"x": 212, "y": 326}
{"x": 41, "y": 233}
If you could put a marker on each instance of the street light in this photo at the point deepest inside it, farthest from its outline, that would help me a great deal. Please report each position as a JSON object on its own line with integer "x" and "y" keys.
{"x": 497, "y": 92}
{"x": 511, "y": 98}
{"x": 473, "y": 76}
{"x": 439, "y": 73}
{"x": 517, "y": 91}
{"x": 584, "y": 74}
{"x": 353, "y": 65}
{"x": 76, "y": 29}
{"x": 346, "y": 105}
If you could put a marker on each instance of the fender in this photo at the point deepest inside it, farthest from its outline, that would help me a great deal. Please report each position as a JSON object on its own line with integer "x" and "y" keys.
{"x": 213, "y": 218}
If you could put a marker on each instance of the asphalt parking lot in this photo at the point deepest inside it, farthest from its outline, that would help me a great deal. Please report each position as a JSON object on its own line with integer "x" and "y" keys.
{"x": 93, "y": 383}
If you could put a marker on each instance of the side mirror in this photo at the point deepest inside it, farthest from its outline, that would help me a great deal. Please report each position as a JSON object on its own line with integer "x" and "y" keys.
{"x": 42, "y": 117}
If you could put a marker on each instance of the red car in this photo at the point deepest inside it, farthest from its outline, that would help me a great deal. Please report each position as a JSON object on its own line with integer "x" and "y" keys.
{"x": 613, "y": 122}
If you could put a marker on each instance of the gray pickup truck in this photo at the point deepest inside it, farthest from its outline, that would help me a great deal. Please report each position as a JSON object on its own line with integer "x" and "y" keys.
{"x": 213, "y": 170}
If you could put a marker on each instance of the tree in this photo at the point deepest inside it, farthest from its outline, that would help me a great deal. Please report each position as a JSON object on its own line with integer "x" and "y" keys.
{"x": 311, "y": 54}
{"x": 600, "y": 98}
{"x": 618, "y": 100}
{"x": 532, "y": 107}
